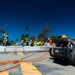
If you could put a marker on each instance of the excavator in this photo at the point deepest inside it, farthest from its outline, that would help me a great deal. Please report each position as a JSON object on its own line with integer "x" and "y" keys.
{"x": 64, "y": 50}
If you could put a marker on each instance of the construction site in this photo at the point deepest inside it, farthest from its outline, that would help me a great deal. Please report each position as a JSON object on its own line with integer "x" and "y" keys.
{"x": 32, "y": 60}
{"x": 37, "y": 37}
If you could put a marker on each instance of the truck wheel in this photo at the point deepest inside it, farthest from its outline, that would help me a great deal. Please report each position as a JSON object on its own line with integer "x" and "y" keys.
{"x": 51, "y": 52}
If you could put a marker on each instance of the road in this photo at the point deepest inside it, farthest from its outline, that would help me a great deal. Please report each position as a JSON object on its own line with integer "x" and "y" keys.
{"x": 47, "y": 66}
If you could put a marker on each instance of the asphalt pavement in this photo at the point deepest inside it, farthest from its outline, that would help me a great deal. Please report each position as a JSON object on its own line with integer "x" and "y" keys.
{"x": 47, "y": 66}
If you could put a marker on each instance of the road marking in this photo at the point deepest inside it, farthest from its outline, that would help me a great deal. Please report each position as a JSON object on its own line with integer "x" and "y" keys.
{"x": 11, "y": 53}
{"x": 20, "y": 53}
{"x": 29, "y": 69}
{"x": 4, "y": 73}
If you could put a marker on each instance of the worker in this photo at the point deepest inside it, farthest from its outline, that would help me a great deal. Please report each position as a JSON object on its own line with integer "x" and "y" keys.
{"x": 22, "y": 42}
{"x": 40, "y": 43}
{"x": 50, "y": 42}
{"x": 5, "y": 40}
{"x": 35, "y": 43}
{"x": 31, "y": 43}
{"x": 27, "y": 41}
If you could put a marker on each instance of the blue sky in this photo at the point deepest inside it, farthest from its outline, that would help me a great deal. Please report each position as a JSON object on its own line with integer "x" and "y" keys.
{"x": 18, "y": 14}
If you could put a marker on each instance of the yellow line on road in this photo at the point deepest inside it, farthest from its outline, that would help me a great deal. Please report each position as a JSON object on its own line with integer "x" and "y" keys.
{"x": 20, "y": 53}
{"x": 4, "y": 73}
{"x": 29, "y": 69}
{"x": 11, "y": 53}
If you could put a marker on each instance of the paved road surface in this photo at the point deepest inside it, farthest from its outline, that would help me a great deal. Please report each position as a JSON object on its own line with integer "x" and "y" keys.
{"x": 46, "y": 67}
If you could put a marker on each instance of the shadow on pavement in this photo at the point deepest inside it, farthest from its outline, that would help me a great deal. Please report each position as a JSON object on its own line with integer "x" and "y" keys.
{"x": 59, "y": 61}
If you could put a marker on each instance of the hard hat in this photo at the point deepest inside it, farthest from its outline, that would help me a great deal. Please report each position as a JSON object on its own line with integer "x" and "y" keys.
{"x": 48, "y": 38}
{"x": 64, "y": 36}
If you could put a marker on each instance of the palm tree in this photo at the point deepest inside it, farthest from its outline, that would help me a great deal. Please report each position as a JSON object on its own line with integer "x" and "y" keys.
{"x": 26, "y": 28}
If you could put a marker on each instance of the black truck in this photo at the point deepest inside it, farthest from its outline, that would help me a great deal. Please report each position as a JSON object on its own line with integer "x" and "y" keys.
{"x": 64, "y": 50}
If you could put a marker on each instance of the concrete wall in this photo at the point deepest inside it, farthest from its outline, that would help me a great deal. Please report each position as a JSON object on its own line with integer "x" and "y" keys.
{"x": 25, "y": 48}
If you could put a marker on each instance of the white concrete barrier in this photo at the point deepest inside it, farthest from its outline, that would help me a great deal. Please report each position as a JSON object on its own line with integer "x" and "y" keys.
{"x": 2, "y": 48}
{"x": 23, "y": 48}
{"x": 36, "y": 48}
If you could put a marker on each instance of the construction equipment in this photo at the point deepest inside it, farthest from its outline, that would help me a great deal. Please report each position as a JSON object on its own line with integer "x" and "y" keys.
{"x": 2, "y": 29}
{"x": 3, "y": 32}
